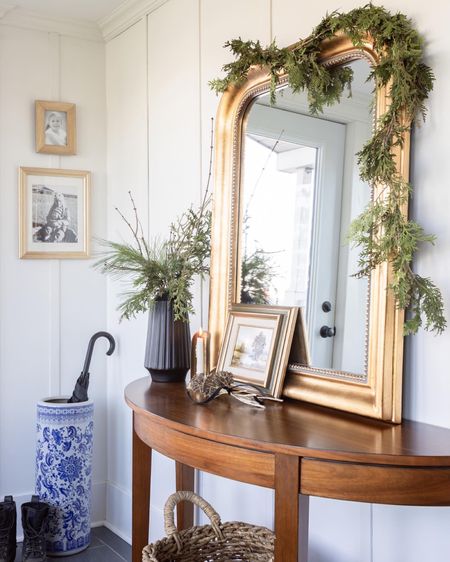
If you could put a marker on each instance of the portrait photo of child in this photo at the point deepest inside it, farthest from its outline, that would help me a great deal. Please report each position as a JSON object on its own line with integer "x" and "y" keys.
{"x": 55, "y": 127}
{"x": 54, "y": 213}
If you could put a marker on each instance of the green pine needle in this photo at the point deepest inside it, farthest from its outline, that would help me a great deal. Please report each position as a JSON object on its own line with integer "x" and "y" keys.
{"x": 382, "y": 232}
{"x": 161, "y": 269}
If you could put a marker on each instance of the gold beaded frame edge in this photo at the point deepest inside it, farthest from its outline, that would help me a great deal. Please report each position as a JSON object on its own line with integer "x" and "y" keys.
{"x": 379, "y": 395}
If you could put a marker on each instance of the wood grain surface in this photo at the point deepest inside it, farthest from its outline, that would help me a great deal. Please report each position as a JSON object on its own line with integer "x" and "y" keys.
{"x": 140, "y": 494}
{"x": 376, "y": 484}
{"x": 292, "y": 447}
{"x": 185, "y": 481}
{"x": 238, "y": 463}
{"x": 287, "y": 478}
{"x": 291, "y": 427}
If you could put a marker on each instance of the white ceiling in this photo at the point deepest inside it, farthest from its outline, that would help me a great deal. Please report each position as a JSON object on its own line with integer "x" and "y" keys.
{"x": 89, "y": 10}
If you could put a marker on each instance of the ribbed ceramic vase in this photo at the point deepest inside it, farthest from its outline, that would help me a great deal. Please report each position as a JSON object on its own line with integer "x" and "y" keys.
{"x": 168, "y": 349}
{"x": 63, "y": 472}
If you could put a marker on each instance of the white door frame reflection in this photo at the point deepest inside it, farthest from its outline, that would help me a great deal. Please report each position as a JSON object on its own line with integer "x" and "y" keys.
{"x": 337, "y": 135}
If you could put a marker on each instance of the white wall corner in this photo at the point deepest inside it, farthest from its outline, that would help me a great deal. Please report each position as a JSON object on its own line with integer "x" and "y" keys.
{"x": 18, "y": 17}
{"x": 126, "y": 15}
{"x": 118, "y": 510}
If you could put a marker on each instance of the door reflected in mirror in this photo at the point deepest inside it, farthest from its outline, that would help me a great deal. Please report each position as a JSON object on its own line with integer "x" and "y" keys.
{"x": 300, "y": 190}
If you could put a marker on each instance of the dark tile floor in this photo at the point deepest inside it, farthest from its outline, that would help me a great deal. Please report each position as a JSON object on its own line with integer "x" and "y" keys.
{"x": 105, "y": 547}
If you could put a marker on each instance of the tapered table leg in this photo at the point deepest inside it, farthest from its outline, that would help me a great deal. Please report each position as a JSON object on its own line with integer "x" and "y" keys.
{"x": 142, "y": 468}
{"x": 185, "y": 480}
{"x": 291, "y": 514}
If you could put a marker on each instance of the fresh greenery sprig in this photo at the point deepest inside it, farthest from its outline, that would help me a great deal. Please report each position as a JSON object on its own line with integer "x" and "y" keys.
{"x": 382, "y": 231}
{"x": 162, "y": 269}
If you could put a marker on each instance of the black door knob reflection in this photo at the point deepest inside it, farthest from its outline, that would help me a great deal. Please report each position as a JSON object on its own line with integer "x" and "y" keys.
{"x": 327, "y": 332}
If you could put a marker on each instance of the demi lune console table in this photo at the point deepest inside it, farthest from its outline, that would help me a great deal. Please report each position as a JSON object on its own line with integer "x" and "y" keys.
{"x": 293, "y": 447}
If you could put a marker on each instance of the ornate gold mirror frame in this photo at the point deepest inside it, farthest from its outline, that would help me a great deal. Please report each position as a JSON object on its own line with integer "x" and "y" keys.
{"x": 377, "y": 395}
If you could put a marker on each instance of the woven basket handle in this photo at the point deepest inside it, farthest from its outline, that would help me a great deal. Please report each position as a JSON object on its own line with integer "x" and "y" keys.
{"x": 169, "y": 515}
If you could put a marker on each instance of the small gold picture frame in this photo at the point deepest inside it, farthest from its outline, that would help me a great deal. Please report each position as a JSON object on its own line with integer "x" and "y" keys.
{"x": 300, "y": 352}
{"x": 54, "y": 213}
{"x": 55, "y": 127}
{"x": 257, "y": 344}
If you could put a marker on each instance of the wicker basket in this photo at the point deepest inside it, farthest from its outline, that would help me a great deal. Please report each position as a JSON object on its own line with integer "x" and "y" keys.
{"x": 227, "y": 542}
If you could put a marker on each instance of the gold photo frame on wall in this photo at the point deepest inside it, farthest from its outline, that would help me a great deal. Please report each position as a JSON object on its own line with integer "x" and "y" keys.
{"x": 55, "y": 127}
{"x": 53, "y": 213}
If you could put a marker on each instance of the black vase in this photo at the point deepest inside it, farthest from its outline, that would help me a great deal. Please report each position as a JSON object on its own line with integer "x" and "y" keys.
{"x": 168, "y": 349}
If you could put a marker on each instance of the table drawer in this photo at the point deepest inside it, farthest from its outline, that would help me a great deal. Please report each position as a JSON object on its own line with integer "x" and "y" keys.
{"x": 246, "y": 465}
{"x": 375, "y": 483}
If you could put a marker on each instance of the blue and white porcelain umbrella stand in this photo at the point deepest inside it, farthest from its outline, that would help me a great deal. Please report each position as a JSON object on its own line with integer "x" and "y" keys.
{"x": 63, "y": 472}
{"x": 65, "y": 435}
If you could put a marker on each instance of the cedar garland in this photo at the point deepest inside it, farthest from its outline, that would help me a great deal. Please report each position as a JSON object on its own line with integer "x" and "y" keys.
{"x": 382, "y": 231}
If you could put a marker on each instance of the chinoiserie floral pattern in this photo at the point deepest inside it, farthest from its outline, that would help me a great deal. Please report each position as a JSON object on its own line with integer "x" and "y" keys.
{"x": 63, "y": 473}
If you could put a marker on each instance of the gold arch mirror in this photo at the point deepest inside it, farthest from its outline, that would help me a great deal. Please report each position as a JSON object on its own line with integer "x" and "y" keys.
{"x": 286, "y": 189}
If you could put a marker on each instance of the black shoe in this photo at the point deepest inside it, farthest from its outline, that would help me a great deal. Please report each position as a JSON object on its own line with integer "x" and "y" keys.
{"x": 34, "y": 518}
{"x": 8, "y": 519}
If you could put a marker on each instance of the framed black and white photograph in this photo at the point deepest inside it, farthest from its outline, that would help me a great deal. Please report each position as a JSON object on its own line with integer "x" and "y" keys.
{"x": 54, "y": 213}
{"x": 55, "y": 127}
{"x": 257, "y": 344}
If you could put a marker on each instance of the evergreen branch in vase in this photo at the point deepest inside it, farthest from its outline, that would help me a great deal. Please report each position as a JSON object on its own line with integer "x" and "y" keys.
{"x": 161, "y": 269}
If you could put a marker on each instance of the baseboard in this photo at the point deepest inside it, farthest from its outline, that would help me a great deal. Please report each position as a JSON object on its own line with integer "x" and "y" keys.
{"x": 113, "y": 529}
{"x": 117, "y": 532}
{"x": 118, "y": 514}
{"x": 98, "y": 508}
{"x": 118, "y": 510}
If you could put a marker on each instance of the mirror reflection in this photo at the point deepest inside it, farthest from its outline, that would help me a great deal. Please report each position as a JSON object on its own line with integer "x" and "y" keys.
{"x": 300, "y": 190}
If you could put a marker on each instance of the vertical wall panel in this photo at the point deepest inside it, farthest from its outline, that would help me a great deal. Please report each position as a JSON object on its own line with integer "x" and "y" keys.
{"x": 174, "y": 152}
{"x": 339, "y": 531}
{"x": 219, "y": 22}
{"x": 25, "y": 284}
{"x": 173, "y": 97}
{"x": 180, "y": 108}
{"x": 414, "y": 534}
{"x": 42, "y": 332}
{"x": 294, "y": 20}
{"x": 127, "y": 163}
{"x": 426, "y": 384}
{"x": 83, "y": 290}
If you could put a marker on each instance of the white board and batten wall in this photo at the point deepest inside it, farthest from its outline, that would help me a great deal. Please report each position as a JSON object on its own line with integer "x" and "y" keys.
{"x": 49, "y": 308}
{"x": 152, "y": 137}
{"x": 174, "y": 50}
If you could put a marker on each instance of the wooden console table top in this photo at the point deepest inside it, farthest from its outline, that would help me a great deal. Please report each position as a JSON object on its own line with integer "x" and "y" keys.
{"x": 293, "y": 447}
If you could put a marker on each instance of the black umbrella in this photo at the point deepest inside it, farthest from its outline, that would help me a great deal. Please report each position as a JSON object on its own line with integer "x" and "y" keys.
{"x": 81, "y": 387}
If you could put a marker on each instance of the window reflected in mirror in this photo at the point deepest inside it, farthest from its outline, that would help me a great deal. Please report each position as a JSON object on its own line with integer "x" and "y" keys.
{"x": 300, "y": 190}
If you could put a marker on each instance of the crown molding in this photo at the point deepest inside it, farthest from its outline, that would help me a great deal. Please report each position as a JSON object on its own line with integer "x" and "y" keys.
{"x": 15, "y": 16}
{"x": 126, "y": 15}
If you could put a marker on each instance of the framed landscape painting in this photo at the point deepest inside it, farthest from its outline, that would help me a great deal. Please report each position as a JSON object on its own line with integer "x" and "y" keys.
{"x": 257, "y": 344}
{"x": 54, "y": 213}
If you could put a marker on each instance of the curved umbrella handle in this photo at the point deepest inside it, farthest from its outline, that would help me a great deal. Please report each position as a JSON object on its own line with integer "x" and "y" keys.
{"x": 90, "y": 349}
